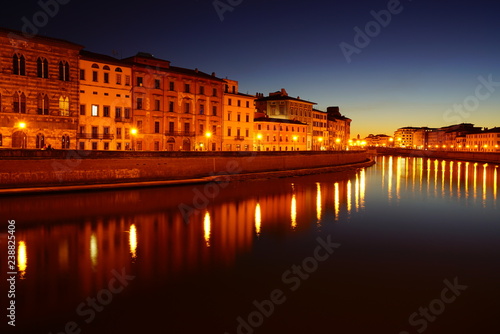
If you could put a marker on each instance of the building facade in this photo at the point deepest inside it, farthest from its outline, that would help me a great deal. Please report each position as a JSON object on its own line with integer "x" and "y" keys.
{"x": 105, "y": 114}
{"x": 339, "y": 129}
{"x": 38, "y": 91}
{"x": 278, "y": 134}
{"x": 487, "y": 140}
{"x": 238, "y": 119}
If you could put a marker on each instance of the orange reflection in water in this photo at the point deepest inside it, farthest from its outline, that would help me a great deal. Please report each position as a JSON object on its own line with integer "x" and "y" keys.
{"x": 207, "y": 227}
{"x": 258, "y": 219}
{"x": 22, "y": 259}
{"x": 132, "y": 241}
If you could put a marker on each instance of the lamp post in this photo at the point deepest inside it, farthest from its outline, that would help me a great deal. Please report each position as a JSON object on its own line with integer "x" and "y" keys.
{"x": 259, "y": 138}
{"x": 133, "y": 132}
{"x": 22, "y": 126}
{"x": 208, "y": 135}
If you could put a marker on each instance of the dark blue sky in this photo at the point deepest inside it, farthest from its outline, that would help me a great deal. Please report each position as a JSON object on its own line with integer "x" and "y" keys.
{"x": 424, "y": 68}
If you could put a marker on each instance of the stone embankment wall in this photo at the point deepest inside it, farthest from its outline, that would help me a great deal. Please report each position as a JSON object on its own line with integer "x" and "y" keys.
{"x": 453, "y": 155}
{"x": 35, "y": 168}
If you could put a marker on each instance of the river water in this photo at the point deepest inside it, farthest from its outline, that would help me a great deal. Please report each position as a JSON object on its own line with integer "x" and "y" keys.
{"x": 409, "y": 245}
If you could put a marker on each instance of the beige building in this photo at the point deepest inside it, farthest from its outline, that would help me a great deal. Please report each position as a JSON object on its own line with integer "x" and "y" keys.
{"x": 38, "y": 91}
{"x": 320, "y": 136}
{"x": 484, "y": 141}
{"x": 339, "y": 129}
{"x": 105, "y": 115}
{"x": 238, "y": 119}
{"x": 281, "y": 106}
{"x": 278, "y": 134}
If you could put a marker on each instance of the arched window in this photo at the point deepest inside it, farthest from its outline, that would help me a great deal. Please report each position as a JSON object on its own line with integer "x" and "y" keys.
{"x": 118, "y": 69}
{"x": 40, "y": 140}
{"x": 43, "y": 104}
{"x": 18, "y": 64}
{"x": 63, "y": 70}
{"x": 106, "y": 67}
{"x": 64, "y": 106}
{"x": 19, "y": 103}
{"x": 42, "y": 68}
{"x": 65, "y": 142}
{"x": 95, "y": 66}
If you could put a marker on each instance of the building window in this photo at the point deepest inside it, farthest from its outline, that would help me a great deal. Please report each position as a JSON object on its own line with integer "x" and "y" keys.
{"x": 187, "y": 108}
{"x": 42, "y": 68}
{"x": 202, "y": 90}
{"x": 106, "y": 77}
{"x": 229, "y": 102}
{"x": 118, "y": 112}
{"x": 95, "y": 132}
{"x": 127, "y": 113}
{"x": 202, "y": 129}
{"x": 82, "y": 74}
{"x": 139, "y": 103}
{"x": 43, "y": 104}
{"x": 106, "y": 132}
{"x": 214, "y": 92}
{"x": 19, "y": 103}
{"x": 247, "y": 118}
{"x": 157, "y": 145}
{"x": 106, "y": 146}
{"x": 118, "y": 79}
{"x": 228, "y": 132}
{"x": 157, "y": 84}
{"x": 214, "y": 130}
{"x": 171, "y": 106}
{"x": 214, "y": 110}
{"x": 95, "y": 110}
{"x": 94, "y": 146}
{"x": 63, "y": 70}
{"x": 127, "y": 133}
{"x": 118, "y": 146}
{"x": 127, "y": 80}
{"x": 65, "y": 142}
{"x": 18, "y": 65}
{"x": 239, "y": 103}
{"x": 238, "y": 118}
{"x": 171, "y": 127}
{"x": 157, "y": 104}
{"x": 105, "y": 111}
{"x": 228, "y": 116}
{"x": 171, "y": 86}
{"x": 94, "y": 76}
{"x": 139, "y": 126}
{"x": 202, "y": 109}
{"x": 187, "y": 88}
{"x": 248, "y": 104}
{"x": 139, "y": 81}
{"x": 247, "y": 133}
{"x": 118, "y": 133}
{"x": 64, "y": 106}
{"x": 157, "y": 127}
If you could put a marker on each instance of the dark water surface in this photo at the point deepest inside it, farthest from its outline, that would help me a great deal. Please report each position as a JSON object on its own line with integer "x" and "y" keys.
{"x": 408, "y": 245}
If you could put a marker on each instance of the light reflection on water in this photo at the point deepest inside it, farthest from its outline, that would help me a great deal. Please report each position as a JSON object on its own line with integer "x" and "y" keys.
{"x": 82, "y": 237}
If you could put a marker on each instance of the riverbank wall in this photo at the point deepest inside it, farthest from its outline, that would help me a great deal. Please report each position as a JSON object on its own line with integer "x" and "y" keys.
{"x": 488, "y": 157}
{"x": 56, "y": 168}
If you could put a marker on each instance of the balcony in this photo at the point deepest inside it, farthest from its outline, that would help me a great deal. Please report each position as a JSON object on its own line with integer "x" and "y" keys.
{"x": 239, "y": 138}
{"x": 123, "y": 119}
{"x": 180, "y": 134}
{"x": 107, "y": 136}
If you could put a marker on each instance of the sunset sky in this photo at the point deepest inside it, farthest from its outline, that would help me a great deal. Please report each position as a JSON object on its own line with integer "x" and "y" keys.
{"x": 431, "y": 63}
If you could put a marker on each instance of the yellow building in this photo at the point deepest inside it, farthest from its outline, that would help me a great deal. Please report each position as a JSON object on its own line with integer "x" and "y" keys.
{"x": 277, "y": 134}
{"x": 38, "y": 91}
{"x": 484, "y": 141}
{"x": 238, "y": 118}
{"x": 320, "y": 136}
{"x": 105, "y": 116}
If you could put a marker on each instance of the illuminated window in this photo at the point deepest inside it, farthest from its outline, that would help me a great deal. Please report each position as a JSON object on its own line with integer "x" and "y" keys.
{"x": 95, "y": 110}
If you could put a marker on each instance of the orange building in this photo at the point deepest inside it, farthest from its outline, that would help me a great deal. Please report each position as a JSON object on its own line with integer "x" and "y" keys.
{"x": 238, "y": 116}
{"x": 175, "y": 108}
{"x": 38, "y": 91}
{"x": 105, "y": 116}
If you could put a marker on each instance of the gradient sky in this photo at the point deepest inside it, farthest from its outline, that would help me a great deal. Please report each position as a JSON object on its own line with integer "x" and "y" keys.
{"x": 412, "y": 72}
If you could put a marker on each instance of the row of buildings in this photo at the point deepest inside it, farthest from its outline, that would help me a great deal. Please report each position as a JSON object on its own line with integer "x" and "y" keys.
{"x": 458, "y": 137}
{"x": 54, "y": 92}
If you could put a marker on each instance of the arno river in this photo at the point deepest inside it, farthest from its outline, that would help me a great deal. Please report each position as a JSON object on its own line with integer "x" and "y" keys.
{"x": 409, "y": 245}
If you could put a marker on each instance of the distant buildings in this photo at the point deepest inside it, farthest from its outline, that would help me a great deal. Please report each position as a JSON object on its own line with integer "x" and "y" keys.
{"x": 54, "y": 93}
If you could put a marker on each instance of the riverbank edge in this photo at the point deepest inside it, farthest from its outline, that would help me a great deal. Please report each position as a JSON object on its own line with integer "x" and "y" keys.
{"x": 480, "y": 157}
{"x": 183, "y": 182}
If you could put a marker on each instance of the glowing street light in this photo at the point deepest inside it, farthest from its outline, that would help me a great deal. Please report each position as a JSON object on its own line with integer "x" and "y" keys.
{"x": 134, "y": 133}
{"x": 208, "y": 135}
{"x": 21, "y": 125}
{"x": 295, "y": 138}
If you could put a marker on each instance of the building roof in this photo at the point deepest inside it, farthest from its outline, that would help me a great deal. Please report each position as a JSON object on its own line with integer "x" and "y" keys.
{"x": 11, "y": 33}
{"x": 88, "y": 55}
{"x": 283, "y": 98}
{"x": 278, "y": 120}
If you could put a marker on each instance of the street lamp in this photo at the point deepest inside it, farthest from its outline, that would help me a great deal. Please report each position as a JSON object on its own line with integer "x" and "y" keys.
{"x": 22, "y": 125}
{"x": 320, "y": 140}
{"x": 259, "y": 138}
{"x": 208, "y": 135}
{"x": 133, "y": 132}
{"x": 337, "y": 142}
{"x": 295, "y": 138}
